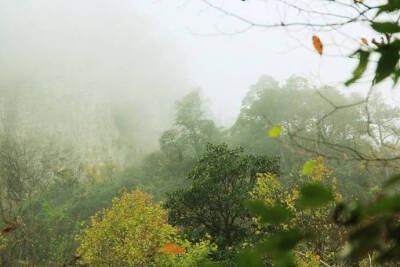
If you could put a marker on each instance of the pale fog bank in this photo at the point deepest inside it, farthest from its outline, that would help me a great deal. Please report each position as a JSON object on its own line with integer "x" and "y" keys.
{"x": 94, "y": 74}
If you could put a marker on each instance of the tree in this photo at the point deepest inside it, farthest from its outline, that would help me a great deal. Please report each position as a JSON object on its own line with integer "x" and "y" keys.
{"x": 297, "y": 106}
{"x": 29, "y": 165}
{"x": 181, "y": 146}
{"x": 135, "y": 232}
{"x": 193, "y": 129}
{"x": 213, "y": 204}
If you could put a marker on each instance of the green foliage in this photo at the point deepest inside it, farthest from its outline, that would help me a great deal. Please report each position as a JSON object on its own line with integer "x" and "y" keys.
{"x": 54, "y": 217}
{"x": 385, "y": 27}
{"x": 213, "y": 204}
{"x": 30, "y": 168}
{"x": 194, "y": 129}
{"x": 297, "y": 107}
{"x": 248, "y": 257}
{"x": 390, "y": 6}
{"x": 53, "y": 214}
{"x": 388, "y": 50}
{"x": 181, "y": 146}
{"x": 361, "y": 68}
{"x": 374, "y": 228}
{"x": 279, "y": 246}
{"x": 294, "y": 106}
{"x": 274, "y": 215}
{"x": 314, "y": 196}
{"x": 373, "y": 233}
{"x": 297, "y": 234}
{"x": 389, "y": 57}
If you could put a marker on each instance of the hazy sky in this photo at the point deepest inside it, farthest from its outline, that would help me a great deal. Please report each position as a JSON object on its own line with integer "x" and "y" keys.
{"x": 224, "y": 65}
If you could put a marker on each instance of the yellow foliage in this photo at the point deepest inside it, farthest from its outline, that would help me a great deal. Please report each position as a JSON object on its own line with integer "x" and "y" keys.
{"x": 307, "y": 259}
{"x": 133, "y": 232}
{"x": 3, "y": 241}
{"x": 269, "y": 190}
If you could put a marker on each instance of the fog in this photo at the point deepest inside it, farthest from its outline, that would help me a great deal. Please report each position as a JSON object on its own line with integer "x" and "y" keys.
{"x": 96, "y": 71}
{"x": 106, "y": 74}
{"x": 140, "y": 56}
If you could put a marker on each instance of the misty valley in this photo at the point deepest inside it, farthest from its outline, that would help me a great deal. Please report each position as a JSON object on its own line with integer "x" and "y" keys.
{"x": 199, "y": 133}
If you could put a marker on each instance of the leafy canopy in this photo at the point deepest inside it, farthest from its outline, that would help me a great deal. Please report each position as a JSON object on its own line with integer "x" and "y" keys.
{"x": 214, "y": 204}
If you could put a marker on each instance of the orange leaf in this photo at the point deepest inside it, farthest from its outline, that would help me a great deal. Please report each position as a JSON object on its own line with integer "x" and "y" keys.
{"x": 172, "y": 248}
{"x": 317, "y": 44}
{"x": 364, "y": 41}
{"x": 10, "y": 227}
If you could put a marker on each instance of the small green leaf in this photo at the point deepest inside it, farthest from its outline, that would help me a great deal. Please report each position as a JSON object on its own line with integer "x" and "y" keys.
{"x": 257, "y": 207}
{"x": 385, "y": 27}
{"x": 362, "y": 66}
{"x": 396, "y": 76}
{"x": 276, "y": 214}
{"x": 391, "y": 6}
{"x": 280, "y": 244}
{"x": 308, "y": 167}
{"x": 275, "y": 131}
{"x": 273, "y": 215}
{"x": 388, "y": 204}
{"x": 387, "y": 62}
{"x": 315, "y": 196}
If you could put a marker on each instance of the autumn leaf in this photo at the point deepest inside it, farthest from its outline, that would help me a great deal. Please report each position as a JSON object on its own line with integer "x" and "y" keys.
{"x": 172, "y": 248}
{"x": 317, "y": 44}
{"x": 275, "y": 131}
{"x": 10, "y": 227}
{"x": 364, "y": 41}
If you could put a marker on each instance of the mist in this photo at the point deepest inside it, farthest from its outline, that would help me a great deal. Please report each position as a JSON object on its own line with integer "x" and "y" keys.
{"x": 95, "y": 71}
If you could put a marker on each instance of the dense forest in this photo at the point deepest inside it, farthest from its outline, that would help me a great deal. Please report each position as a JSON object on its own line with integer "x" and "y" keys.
{"x": 306, "y": 175}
